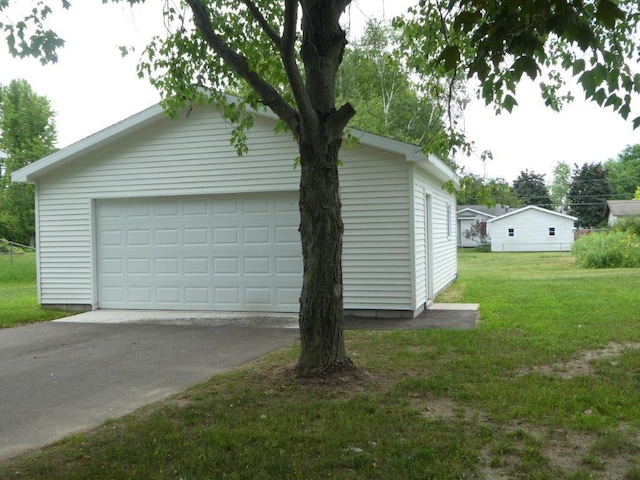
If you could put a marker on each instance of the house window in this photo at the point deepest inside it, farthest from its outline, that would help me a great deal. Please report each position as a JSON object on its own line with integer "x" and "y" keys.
{"x": 511, "y": 232}
{"x": 552, "y": 231}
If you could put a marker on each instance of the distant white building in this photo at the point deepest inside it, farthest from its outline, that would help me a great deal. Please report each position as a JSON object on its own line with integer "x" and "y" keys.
{"x": 467, "y": 215}
{"x": 621, "y": 208}
{"x": 532, "y": 229}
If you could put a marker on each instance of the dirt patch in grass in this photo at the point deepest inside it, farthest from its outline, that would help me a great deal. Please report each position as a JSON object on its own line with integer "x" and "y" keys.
{"x": 559, "y": 450}
{"x": 582, "y": 364}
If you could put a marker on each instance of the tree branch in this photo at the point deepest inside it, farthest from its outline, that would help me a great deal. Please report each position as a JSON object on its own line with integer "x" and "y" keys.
{"x": 339, "y": 119}
{"x": 239, "y": 64}
{"x": 287, "y": 53}
{"x": 271, "y": 33}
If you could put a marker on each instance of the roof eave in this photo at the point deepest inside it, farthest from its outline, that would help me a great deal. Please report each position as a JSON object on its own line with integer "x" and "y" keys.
{"x": 31, "y": 172}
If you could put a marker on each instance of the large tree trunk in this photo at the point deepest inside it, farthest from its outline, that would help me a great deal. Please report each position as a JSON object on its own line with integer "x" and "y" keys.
{"x": 321, "y": 229}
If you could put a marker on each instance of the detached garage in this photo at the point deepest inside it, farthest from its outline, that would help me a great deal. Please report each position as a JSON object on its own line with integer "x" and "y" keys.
{"x": 154, "y": 213}
{"x": 532, "y": 229}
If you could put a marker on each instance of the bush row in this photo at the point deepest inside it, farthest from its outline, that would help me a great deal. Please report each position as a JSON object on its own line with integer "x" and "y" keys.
{"x": 616, "y": 248}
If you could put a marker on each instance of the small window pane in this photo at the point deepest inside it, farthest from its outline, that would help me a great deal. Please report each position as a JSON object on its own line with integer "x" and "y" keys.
{"x": 552, "y": 231}
{"x": 512, "y": 232}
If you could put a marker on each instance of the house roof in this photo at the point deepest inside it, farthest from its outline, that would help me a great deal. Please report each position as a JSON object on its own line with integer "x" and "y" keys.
{"x": 623, "y": 208}
{"x": 494, "y": 211}
{"x": 532, "y": 207}
{"x": 470, "y": 212}
{"x": 151, "y": 115}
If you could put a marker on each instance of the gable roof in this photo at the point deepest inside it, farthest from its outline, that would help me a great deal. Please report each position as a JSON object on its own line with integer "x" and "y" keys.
{"x": 494, "y": 211}
{"x": 473, "y": 213}
{"x": 154, "y": 114}
{"x": 532, "y": 207}
{"x": 622, "y": 208}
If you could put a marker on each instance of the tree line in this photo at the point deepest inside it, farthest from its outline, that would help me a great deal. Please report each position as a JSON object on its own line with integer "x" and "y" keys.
{"x": 581, "y": 190}
{"x": 27, "y": 133}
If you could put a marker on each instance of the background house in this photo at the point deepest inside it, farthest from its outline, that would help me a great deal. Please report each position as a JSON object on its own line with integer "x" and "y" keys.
{"x": 532, "y": 229}
{"x": 621, "y": 208}
{"x": 153, "y": 213}
{"x": 467, "y": 215}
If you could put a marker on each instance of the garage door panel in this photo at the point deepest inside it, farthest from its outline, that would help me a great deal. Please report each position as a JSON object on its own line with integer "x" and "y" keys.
{"x": 205, "y": 253}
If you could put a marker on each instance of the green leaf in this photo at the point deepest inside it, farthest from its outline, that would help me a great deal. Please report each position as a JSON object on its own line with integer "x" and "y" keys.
{"x": 509, "y": 102}
{"x": 525, "y": 64}
{"x": 599, "y": 96}
{"x": 578, "y": 66}
{"x": 587, "y": 80}
{"x": 608, "y": 13}
{"x": 450, "y": 56}
{"x": 636, "y": 122}
{"x": 614, "y": 101}
{"x": 466, "y": 20}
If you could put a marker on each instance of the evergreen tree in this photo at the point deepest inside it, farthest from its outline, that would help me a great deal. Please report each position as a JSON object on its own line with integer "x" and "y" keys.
{"x": 530, "y": 188}
{"x": 589, "y": 193}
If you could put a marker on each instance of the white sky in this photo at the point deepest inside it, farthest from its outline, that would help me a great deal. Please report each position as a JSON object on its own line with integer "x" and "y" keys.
{"x": 92, "y": 87}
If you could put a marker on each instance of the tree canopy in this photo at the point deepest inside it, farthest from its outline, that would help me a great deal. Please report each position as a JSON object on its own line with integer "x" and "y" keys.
{"x": 560, "y": 184}
{"x": 589, "y": 193}
{"x": 623, "y": 172}
{"x": 477, "y": 190}
{"x": 530, "y": 188}
{"x": 498, "y": 42}
{"x": 27, "y": 133}
{"x": 386, "y": 93}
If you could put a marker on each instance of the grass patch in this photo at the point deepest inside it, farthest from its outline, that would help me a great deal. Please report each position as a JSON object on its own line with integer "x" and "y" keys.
{"x": 505, "y": 400}
{"x": 18, "y": 294}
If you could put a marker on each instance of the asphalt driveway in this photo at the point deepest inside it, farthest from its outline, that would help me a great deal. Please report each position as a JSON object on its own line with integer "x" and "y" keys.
{"x": 58, "y": 378}
{"x": 69, "y": 375}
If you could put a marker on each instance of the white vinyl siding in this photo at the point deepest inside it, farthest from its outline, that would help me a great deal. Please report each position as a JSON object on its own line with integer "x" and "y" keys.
{"x": 443, "y": 239}
{"x": 193, "y": 156}
{"x": 528, "y": 230}
{"x": 376, "y": 260}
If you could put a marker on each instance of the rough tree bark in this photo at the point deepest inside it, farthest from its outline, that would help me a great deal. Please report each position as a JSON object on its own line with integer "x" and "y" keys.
{"x": 317, "y": 126}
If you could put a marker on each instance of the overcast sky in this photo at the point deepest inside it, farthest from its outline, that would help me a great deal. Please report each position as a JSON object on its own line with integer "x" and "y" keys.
{"x": 92, "y": 87}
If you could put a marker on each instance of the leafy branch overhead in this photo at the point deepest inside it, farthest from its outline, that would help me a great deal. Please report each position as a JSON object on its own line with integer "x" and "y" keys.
{"x": 500, "y": 42}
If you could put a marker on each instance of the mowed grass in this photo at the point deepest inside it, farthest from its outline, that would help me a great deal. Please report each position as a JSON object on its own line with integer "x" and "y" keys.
{"x": 546, "y": 387}
{"x": 18, "y": 294}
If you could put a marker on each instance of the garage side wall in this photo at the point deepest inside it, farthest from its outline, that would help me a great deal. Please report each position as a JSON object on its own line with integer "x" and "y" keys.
{"x": 193, "y": 156}
{"x": 435, "y": 235}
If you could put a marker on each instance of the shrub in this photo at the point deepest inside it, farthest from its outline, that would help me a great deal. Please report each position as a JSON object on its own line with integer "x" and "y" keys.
{"x": 612, "y": 249}
{"x": 628, "y": 224}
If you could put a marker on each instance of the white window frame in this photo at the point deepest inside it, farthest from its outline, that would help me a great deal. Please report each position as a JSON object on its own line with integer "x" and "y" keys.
{"x": 511, "y": 232}
{"x": 552, "y": 231}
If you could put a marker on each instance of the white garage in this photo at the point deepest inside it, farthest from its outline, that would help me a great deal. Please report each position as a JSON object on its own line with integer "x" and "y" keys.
{"x": 155, "y": 213}
{"x": 200, "y": 253}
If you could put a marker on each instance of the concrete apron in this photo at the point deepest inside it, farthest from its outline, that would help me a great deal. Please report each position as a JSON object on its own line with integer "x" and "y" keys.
{"x": 175, "y": 317}
{"x": 454, "y": 316}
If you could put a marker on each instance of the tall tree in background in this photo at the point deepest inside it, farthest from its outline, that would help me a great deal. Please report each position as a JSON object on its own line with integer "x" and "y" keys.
{"x": 477, "y": 190}
{"x": 559, "y": 187}
{"x": 290, "y": 65}
{"x": 530, "y": 188}
{"x": 27, "y": 133}
{"x": 589, "y": 193}
{"x": 624, "y": 172}
{"x": 385, "y": 92}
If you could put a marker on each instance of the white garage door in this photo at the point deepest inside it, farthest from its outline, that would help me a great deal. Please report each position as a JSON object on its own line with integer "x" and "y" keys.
{"x": 199, "y": 253}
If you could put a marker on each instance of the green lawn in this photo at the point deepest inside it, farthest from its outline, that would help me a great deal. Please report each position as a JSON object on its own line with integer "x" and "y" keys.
{"x": 18, "y": 295}
{"x": 546, "y": 387}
